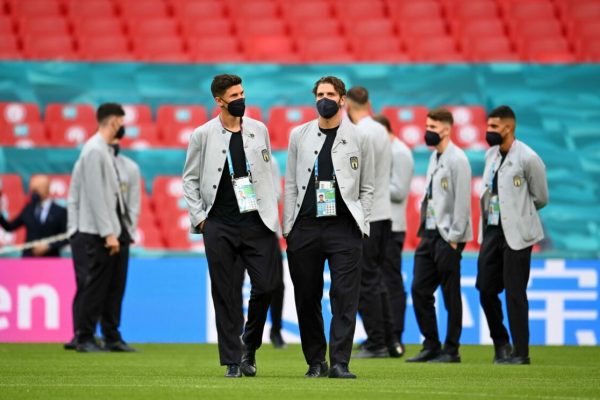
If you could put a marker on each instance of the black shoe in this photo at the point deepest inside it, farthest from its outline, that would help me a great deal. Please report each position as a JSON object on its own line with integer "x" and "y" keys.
{"x": 233, "y": 371}
{"x": 318, "y": 370}
{"x": 72, "y": 345}
{"x": 446, "y": 358}
{"x": 341, "y": 371}
{"x": 277, "y": 340}
{"x": 424, "y": 356}
{"x": 365, "y": 353}
{"x": 502, "y": 353}
{"x": 88, "y": 347}
{"x": 119, "y": 347}
{"x": 248, "y": 365}
{"x": 516, "y": 361}
{"x": 396, "y": 350}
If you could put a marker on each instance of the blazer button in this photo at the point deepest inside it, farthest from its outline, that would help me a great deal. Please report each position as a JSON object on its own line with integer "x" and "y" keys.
{"x": 224, "y": 151}
{"x": 220, "y": 169}
{"x": 309, "y": 170}
{"x": 303, "y": 187}
{"x": 298, "y": 205}
{"x": 214, "y": 186}
{"x": 319, "y": 134}
{"x": 316, "y": 152}
{"x": 223, "y": 131}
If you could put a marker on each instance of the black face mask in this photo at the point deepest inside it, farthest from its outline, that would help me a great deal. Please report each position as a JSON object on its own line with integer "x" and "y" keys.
{"x": 327, "y": 108}
{"x": 236, "y": 107}
{"x": 116, "y": 148}
{"x": 35, "y": 198}
{"x": 432, "y": 138}
{"x": 120, "y": 132}
{"x": 493, "y": 138}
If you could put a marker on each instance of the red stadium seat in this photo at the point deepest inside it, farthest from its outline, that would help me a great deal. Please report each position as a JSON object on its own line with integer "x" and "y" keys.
{"x": 187, "y": 115}
{"x": 413, "y": 211}
{"x": 529, "y": 10}
{"x": 422, "y": 28}
{"x": 213, "y": 49}
{"x": 30, "y": 134}
{"x": 261, "y": 27}
{"x": 77, "y": 9}
{"x": 380, "y": 28}
{"x": 62, "y": 112}
{"x": 140, "y": 136}
{"x": 252, "y": 10}
{"x": 59, "y": 186}
{"x": 579, "y": 11}
{"x": 176, "y": 135}
{"x": 12, "y": 238}
{"x": 154, "y": 27}
{"x": 36, "y": 8}
{"x": 270, "y": 48}
{"x": 468, "y": 115}
{"x": 537, "y": 49}
{"x": 435, "y": 49}
{"x": 199, "y": 10}
{"x": 388, "y": 50}
{"x": 44, "y": 47}
{"x": 408, "y": 122}
{"x": 137, "y": 114}
{"x": 43, "y": 26}
{"x": 149, "y": 238}
{"x": 160, "y": 48}
{"x": 590, "y": 51}
{"x": 359, "y": 9}
{"x": 489, "y": 49}
{"x": 97, "y": 28}
{"x": 143, "y": 9}
{"x": 213, "y": 27}
{"x": 13, "y": 197}
{"x": 167, "y": 191}
{"x": 9, "y": 48}
{"x": 329, "y": 49}
{"x": 308, "y": 28}
{"x": 306, "y": 10}
{"x": 18, "y": 113}
{"x": 472, "y": 10}
{"x": 423, "y": 9}
{"x": 6, "y": 25}
{"x": 282, "y": 119}
{"x": 470, "y": 123}
{"x": 67, "y": 134}
{"x": 481, "y": 28}
{"x": 105, "y": 48}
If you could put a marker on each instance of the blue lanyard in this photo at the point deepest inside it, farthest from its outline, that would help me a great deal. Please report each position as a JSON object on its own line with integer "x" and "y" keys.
{"x": 230, "y": 163}
{"x": 317, "y": 169}
{"x": 493, "y": 173}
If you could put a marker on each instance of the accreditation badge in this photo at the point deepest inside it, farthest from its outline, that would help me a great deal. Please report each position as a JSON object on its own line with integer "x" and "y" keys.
{"x": 430, "y": 216}
{"x": 326, "y": 199}
{"x": 493, "y": 217}
{"x": 245, "y": 194}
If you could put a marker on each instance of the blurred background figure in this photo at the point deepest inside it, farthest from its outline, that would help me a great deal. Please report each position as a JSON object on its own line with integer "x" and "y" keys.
{"x": 41, "y": 217}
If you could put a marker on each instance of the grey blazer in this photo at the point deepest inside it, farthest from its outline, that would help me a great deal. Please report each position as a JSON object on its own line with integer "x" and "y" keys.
{"x": 380, "y": 142}
{"x": 522, "y": 190}
{"x": 204, "y": 163}
{"x": 352, "y": 159}
{"x": 131, "y": 186}
{"x": 401, "y": 176}
{"x": 94, "y": 191}
{"x": 451, "y": 188}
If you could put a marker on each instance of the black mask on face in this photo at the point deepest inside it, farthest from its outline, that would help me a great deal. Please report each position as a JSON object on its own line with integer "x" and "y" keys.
{"x": 493, "y": 138}
{"x": 120, "y": 132}
{"x": 432, "y": 138}
{"x": 35, "y": 197}
{"x": 327, "y": 108}
{"x": 236, "y": 107}
{"x": 116, "y": 148}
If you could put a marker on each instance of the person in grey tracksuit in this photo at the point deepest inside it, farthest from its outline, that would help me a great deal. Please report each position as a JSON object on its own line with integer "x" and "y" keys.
{"x": 515, "y": 189}
{"x": 445, "y": 228}
{"x": 228, "y": 186}
{"x": 327, "y": 207}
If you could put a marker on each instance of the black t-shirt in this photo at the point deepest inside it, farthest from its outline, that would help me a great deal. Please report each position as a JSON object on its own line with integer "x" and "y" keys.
{"x": 495, "y": 181}
{"x": 225, "y": 208}
{"x": 309, "y": 204}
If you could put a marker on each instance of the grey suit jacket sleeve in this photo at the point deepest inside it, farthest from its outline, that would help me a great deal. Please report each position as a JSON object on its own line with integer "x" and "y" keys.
{"x": 96, "y": 191}
{"x": 402, "y": 172}
{"x": 462, "y": 200}
{"x": 535, "y": 173}
{"x": 134, "y": 194}
{"x": 367, "y": 178}
{"x": 290, "y": 189}
{"x": 191, "y": 182}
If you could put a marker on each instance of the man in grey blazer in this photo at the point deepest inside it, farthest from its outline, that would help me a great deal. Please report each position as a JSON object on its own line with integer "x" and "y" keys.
{"x": 328, "y": 156}
{"x": 515, "y": 189}
{"x": 372, "y": 302}
{"x": 444, "y": 230}
{"x": 227, "y": 156}
{"x": 393, "y": 284}
{"x": 99, "y": 226}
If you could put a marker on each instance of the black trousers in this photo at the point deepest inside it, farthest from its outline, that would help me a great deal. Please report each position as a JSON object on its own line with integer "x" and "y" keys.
{"x": 373, "y": 298}
{"x": 437, "y": 263}
{"x": 501, "y": 268}
{"x": 393, "y": 290}
{"x": 258, "y": 249}
{"x": 339, "y": 241}
{"x": 81, "y": 267}
{"x": 100, "y": 296}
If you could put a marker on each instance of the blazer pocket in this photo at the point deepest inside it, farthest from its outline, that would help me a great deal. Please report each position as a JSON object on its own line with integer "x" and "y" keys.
{"x": 529, "y": 227}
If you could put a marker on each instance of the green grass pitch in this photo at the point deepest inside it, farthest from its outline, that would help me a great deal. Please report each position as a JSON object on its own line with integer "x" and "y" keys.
{"x": 173, "y": 371}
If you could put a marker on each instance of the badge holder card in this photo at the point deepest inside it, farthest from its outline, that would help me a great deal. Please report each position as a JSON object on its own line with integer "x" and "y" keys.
{"x": 243, "y": 189}
{"x": 430, "y": 216}
{"x": 326, "y": 199}
{"x": 493, "y": 217}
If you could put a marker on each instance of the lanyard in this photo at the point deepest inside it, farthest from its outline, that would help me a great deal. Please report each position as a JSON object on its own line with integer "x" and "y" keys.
{"x": 317, "y": 169}
{"x": 437, "y": 167}
{"x": 230, "y": 163}
{"x": 493, "y": 172}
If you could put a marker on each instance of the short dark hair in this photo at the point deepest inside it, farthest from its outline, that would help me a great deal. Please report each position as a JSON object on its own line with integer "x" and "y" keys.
{"x": 441, "y": 115}
{"x": 108, "y": 110}
{"x": 503, "y": 112}
{"x": 337, "y": 83}
{"x": 222, "y": 82}
{"x": 359, "y": 95}
{"x": 383, "y": 120}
